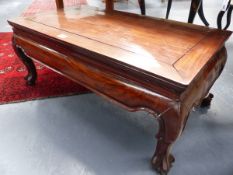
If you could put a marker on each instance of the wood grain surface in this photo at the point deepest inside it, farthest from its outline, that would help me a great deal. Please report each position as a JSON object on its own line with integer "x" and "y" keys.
{"x": 159, "y": 48}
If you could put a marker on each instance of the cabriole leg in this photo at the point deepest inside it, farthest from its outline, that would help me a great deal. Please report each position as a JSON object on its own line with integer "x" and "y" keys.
{"x": 170, "y": 127}
{"x": 32, "y": 75}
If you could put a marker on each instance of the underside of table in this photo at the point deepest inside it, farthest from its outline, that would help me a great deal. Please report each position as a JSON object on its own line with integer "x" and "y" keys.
{"x": 163, "y": 70}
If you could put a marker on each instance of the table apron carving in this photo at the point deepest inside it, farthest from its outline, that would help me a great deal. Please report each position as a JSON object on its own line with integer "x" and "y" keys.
{"x": 117, "y": 88}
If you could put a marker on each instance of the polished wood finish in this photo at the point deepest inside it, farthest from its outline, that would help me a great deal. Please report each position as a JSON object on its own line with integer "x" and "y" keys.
{"x": 138, "y": 62}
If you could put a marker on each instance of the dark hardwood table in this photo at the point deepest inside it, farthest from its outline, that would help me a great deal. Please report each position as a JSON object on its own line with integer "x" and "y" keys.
{"x": 163, "y": 67}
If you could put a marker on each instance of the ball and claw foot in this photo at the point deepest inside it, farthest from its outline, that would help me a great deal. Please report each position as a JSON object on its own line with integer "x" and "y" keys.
{"x": 206, "y": 102}
{"x": 161, "y": 165}
{"x": 162, "y": 159}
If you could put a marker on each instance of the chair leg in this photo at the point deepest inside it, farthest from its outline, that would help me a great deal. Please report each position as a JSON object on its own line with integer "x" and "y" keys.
{"x": 168, "y": 8}
{"x": 59, "y": 4}
{"x": 201, "y": 14}
{"x": 193, "y": 10}
{"x": 142, "y": 6}
{"x": 228, "y": 9}
{"x": 219, "y": 19}
{"x": 229, "y": 13}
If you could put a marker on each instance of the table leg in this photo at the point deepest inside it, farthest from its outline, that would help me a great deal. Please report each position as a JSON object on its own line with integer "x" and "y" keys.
{"x": 171, "y": 126}
{"x": 32, "y": 74}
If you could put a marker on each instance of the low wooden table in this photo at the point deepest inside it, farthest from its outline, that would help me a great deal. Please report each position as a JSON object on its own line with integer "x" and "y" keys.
{"x": 162, "y": 67}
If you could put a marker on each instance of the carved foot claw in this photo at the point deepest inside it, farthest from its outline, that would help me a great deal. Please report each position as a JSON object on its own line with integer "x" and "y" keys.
{"x": 162, "y": 165}
{"x": 162, "y": 160}
{"x": 207, "y": 101}
{"x": 170, "y": 127}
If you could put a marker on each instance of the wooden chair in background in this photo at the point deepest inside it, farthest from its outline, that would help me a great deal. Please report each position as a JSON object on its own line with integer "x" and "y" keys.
{"x": 227, "y": 8}
{"x": 196, "y": 7}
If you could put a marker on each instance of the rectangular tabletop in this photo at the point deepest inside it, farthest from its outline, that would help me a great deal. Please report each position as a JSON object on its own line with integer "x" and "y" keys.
{"x": 157, "y": 49}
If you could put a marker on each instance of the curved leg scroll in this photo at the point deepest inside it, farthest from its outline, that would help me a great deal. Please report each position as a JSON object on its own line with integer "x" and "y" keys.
{"x": 201, "y": 14}
{"x": 170, "y": 127}
{"x": 32, "y": 75}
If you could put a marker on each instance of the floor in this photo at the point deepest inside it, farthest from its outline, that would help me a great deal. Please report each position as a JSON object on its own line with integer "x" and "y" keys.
{"x": 86, "y": 135}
